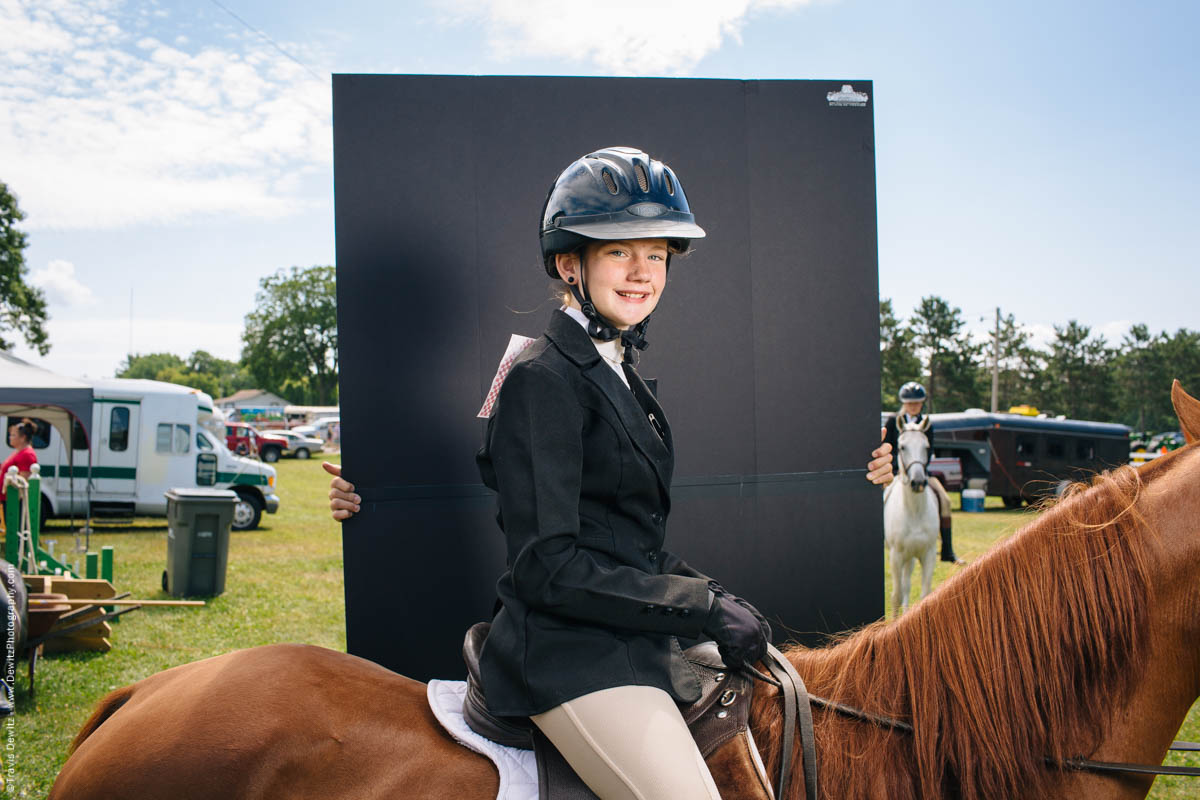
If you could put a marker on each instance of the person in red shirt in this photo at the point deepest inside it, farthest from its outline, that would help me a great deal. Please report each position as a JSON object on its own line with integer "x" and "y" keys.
{"x": 20, "y": 439}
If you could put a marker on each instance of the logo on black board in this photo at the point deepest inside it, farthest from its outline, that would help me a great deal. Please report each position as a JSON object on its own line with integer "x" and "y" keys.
{"x": 846, "y": 96}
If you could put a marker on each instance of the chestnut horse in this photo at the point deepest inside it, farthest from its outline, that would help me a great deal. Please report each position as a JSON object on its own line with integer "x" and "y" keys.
{"x": 1079, "y": 635}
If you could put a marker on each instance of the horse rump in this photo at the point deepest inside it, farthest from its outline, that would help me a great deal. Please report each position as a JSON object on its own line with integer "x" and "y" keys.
{"x": 108, "y": 705}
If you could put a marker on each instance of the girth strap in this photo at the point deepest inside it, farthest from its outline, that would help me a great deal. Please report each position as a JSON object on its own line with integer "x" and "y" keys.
{"x": 796, "y": 711}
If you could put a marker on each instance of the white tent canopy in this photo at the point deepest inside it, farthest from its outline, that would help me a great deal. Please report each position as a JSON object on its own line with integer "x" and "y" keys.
{"x": 27, "y": 390}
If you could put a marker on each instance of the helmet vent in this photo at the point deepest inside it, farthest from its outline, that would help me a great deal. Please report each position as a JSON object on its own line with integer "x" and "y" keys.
{"x": 608, "y": 181}
{"x": 643, "y": 181}
{"x": 670, "y": 183}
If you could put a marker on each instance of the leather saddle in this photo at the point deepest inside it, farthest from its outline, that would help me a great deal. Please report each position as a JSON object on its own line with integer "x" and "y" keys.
{"x": 718, "y": 722}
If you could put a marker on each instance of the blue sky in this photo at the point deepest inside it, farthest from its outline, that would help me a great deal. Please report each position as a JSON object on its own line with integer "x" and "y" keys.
{"x": 1038, "y": 156}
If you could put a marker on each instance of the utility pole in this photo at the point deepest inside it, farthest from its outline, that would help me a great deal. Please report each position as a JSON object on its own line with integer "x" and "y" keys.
{"x": 996, "y": 362}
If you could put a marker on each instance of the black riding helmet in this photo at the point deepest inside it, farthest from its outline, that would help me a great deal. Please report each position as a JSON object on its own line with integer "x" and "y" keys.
{"x": 911, "y": 392}
{"x": 614, "y": 193}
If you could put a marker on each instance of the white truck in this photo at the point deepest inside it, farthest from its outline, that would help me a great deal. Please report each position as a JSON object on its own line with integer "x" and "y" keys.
{"x": 147, "y": 437}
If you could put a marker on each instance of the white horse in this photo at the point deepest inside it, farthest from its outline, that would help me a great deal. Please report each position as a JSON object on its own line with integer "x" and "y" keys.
{"x": 910, "y": 517}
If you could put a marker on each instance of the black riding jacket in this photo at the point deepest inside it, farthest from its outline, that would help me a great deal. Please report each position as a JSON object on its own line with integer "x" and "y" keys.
{"x": 591, "y": 600}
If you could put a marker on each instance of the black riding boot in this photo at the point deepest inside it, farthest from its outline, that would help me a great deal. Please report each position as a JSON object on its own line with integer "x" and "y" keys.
{"x": 947, "y": 544}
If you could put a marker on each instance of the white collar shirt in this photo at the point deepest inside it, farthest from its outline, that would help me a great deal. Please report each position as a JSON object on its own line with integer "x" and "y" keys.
{"x": 609, "y": 351}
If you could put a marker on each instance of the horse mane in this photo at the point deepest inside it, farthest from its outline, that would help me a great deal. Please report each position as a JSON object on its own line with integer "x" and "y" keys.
{"x": 1019, "y": 658}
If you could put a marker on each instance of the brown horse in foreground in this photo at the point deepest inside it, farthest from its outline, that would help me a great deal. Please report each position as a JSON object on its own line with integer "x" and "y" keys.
{"x": 1080, "y": 635}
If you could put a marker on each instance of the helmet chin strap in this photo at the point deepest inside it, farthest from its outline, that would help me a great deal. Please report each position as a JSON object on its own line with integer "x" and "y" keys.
{"x": 600, "y": 328}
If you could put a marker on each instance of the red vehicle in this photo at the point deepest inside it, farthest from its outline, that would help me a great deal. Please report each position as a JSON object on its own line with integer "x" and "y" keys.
{"x": 247, "y": 441}
{"x": 949, "y": 471}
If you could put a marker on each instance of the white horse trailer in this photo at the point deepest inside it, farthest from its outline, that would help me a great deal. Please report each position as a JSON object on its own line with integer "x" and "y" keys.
{"x": 147, "y": 437}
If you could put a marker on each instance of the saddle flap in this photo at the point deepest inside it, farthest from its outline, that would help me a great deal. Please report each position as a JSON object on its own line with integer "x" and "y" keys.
{"x": 722, "y": 710}
{"x": 557, "y": 780}
{"x": 472, "y": 648}
{"x": 705, "y": 654}
{"x": 510, "y": 731}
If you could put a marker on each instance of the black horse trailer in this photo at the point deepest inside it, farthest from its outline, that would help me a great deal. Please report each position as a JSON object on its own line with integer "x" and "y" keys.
{"x": 1021, "y": 458}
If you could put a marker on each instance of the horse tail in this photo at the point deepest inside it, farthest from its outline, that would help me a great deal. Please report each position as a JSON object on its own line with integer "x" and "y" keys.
{"x": 108, "y": 706}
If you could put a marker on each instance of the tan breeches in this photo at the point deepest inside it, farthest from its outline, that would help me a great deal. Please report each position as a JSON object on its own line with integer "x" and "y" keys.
{"x": 943, "y": 498}
{"x": 629, "y": 743}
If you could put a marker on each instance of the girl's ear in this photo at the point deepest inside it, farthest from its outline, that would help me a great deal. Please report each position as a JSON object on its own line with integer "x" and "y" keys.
{"x": 568, "y": 266}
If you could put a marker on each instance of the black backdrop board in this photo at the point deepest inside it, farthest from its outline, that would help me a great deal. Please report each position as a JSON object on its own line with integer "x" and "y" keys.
{"x": 765, "y": 344}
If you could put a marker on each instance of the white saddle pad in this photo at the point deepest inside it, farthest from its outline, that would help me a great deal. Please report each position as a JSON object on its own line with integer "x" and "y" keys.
{"x": 518, "y": 770}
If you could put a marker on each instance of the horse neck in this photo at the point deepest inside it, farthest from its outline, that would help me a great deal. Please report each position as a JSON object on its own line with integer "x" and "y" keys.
{"x": 1058, "y": 643}
{"x": 1145, "y": 723}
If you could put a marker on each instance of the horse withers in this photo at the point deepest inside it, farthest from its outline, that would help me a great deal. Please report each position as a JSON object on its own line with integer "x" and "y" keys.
{"x": 910, "y": 517}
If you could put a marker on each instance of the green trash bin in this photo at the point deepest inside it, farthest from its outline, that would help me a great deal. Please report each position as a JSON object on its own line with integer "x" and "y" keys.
{"x": 198, "y": 522}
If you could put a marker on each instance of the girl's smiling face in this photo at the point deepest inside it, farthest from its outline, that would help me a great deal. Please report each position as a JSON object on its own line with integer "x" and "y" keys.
{"x": 624, "y": 278}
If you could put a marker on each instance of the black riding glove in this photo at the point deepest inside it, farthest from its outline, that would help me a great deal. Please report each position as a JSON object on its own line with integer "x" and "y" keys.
{"x": 721, "y": 591}
{"x": 736, "y": 631}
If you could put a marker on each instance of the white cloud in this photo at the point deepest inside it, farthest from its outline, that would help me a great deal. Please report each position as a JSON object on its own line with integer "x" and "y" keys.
{"x": 1041, "y": 334}
{"x": 62, "y": 287}
{"x": 626, "y": 37}
{"x": 96, "y": 347}
{"x": 1113, "y": 332}
{"x": 103, "y": 124}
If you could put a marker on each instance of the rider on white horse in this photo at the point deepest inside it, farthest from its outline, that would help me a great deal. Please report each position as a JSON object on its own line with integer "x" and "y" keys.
{"x": 912, "y": 400}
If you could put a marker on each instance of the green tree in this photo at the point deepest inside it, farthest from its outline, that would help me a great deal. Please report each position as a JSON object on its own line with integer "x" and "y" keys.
{"x": 1020, "y": 366}
{"x": 951, "y": 358}
{"x": 149, "y": 365}
{"x": 1078, "y": 374}
{"x": 1140, "y": 375}
{"x": 290, "y": 339}
{"x": 196, "y": 380}
{"x": 230, "y": 376}
{"x": 22, "y": 306}
{"x": 1143, "y": 370}
{"x": 1181, "y": 359}
{"x": 201, "y": 370}
{"x": 959, "y": 370}
{"x": 898, "y": 362}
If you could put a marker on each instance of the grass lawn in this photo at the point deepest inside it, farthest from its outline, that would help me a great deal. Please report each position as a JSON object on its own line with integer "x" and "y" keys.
{"x": 284, "y": 584}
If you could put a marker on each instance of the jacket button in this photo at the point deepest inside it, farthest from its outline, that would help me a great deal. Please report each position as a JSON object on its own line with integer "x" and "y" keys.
{"x": 647, "y": 609}
{"x": 652, "y": 555}
{"x": 656, "y": 518}
{"x": 668, "y": 611}
{"x": 685, "y": 612}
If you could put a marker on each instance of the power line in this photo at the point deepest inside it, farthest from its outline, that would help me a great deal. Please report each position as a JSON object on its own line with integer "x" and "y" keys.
{"x": 268, "y": 39}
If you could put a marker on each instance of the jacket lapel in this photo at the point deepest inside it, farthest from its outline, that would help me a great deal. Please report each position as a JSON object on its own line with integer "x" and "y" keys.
{"x": 650, "y": 406}
{"x": 570, "y": 338}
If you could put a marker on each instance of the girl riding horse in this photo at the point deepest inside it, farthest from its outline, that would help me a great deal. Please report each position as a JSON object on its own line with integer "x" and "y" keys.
{"x": 1075, "y": 641}
{"x": 912, "y": 399}
{"x": 580, "y": 455}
